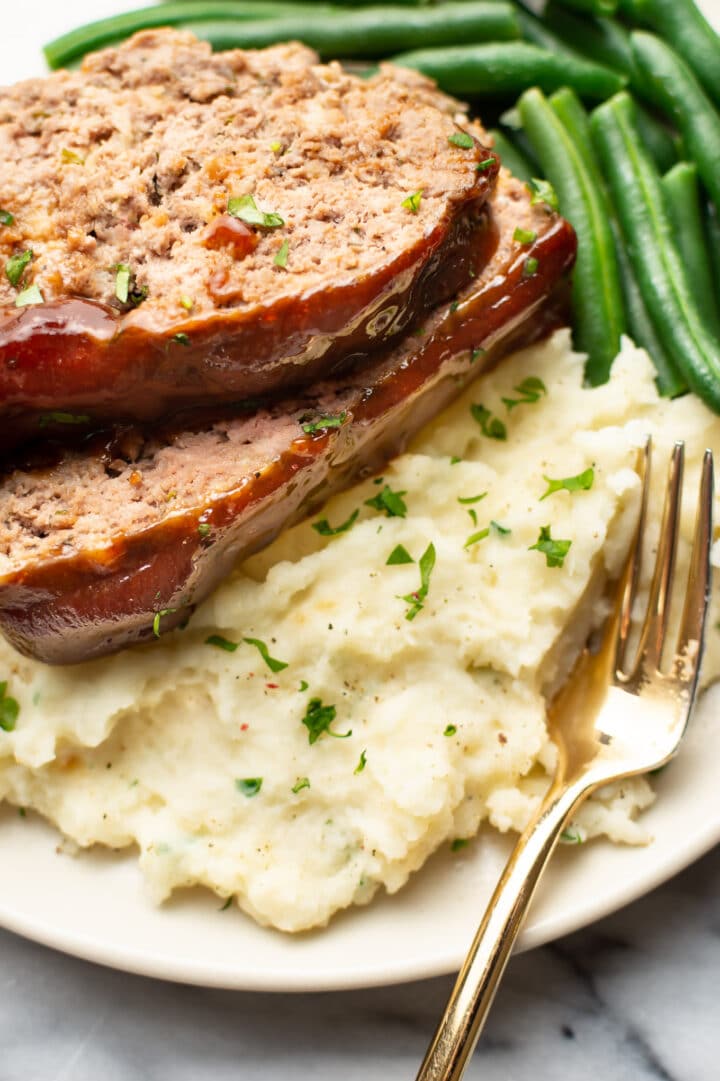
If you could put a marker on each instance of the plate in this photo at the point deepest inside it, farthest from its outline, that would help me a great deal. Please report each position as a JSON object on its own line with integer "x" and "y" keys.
{"x": 94, "y": 907}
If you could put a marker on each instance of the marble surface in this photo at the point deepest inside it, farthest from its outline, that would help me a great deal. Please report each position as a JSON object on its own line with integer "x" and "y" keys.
{"x": 633, "y": 998}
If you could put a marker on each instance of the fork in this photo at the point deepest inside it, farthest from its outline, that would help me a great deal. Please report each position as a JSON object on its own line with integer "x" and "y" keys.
{"x": 610, "y": 720}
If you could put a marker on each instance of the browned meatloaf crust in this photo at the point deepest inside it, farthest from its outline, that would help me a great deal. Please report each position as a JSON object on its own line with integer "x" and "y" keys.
{"x": 135, "y": 161}
{"x": 93, "y": 547}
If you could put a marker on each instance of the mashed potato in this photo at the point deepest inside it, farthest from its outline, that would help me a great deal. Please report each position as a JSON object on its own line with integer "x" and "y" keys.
{"x": 302, "y": 782}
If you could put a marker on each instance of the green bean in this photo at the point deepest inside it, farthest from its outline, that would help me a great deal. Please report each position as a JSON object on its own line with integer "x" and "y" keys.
{"x": 511, "y": 157}
{"x": 536, "y": 31}
{"x": 370, "y": 31}
{"x": 711, "y": 218}
{"x": 96, "y": 35}
{"x": 680, "y": 22}
{"x": 599, "y": 315}
{"x": 675, "y": 90}
{"x": 510, "y": 67}
{"x": 598, "y": 38}
{"x": 570, "y": 111}
{"x": 682, "y": 200}
{"x": 593, "y": 7}
{"x": 639, "y": 203}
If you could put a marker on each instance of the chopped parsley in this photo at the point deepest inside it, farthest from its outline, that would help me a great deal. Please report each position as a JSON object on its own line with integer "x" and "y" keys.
{"x": 63, "y": 418}
{"x": 475, "y": 353}
{"x": 530, "y": 267}
{"x": 311, "y": 427}
{"x": 318, "y": 719}
{"x": 245, "y": 208}
{"x": 226, "y": 906}
{"x": 6, "y": 218}
{"x": 302, "y": 782}
{"x": 583, "y": 482}
{"x": 158, "y": 616}
{"x": 491, "y": 426}
{"x": 303, "y": 685}
{"x": 323, "y": 527}
{"x": 467, "y": 499}
{"x": 219, "y": 642}
{"x": 412, "y": 203}
{"x": 483, "y": 165}
{"x": 187, "y": 303}
{"x": 71, "y": 157}
{"x": 16, "y": 266}
{"x": 572, "y": 836}
{"x": 450, "y": 730}
{"x": 530, "y": 390}
{"x": 524, "y": 236}
{"x": 204, "y": 529}
{"x": 362, "y": 763}
{"x": 462, "y": 139}
{"x": 544, "y": 193}
{"x": 9, "y": 709}
{"x": 483, "y": 533}
{"x": 553, "y": 550}
{"x": 455, "y": 459}
{"x": 281, "y": 256}
{"x": 417, "y": 599}
{"x": 398, "y": 556}
{"x": 458, "y": 843}
{"x": 123, "y": 276}
{"x": 389, "y": 502}
{"x": 249, "y": 786}
{"x": 273, "y": 664}
{"x": 31, "y": 295}
{"x": 181, "y": 339}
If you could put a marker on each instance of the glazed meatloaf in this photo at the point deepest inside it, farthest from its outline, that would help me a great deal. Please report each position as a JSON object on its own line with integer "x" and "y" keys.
{"x": 107, "y": 545}
{"x": 186, "y": 227}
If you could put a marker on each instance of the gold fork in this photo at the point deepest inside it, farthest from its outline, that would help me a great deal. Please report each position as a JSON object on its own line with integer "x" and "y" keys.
{"x": 609, "y": 721}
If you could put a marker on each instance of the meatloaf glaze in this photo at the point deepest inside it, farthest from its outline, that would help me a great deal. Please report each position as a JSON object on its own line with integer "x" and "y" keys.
{"x": 96, "y": 548}
{"x": 190, "y": 227}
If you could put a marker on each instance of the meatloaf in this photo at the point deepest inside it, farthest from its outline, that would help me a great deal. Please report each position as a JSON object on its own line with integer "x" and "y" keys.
{"x": 187, "y": 227}
{"x": 117, "y": 541}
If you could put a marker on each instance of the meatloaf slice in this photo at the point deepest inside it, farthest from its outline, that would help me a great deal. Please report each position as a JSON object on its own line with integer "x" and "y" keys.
{"x": 97, "y": 547}
{"x": 205, "y": 227}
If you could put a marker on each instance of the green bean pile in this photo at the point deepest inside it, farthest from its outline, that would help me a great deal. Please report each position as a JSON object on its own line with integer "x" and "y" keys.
{"x": 638, "y": 175}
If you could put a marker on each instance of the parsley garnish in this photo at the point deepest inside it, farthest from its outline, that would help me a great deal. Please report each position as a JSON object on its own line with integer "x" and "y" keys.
{"x": 323, "y": 527}
{"x": 482, "y": 165}
{"x": 9, "y": 709}
{"x": 455, "y": 459}
{"x": 281, "y": 256}
{"x": 6, "y": 218}
{"x": 187, "y": 303}
{"x": 530, "y": 390}
{"x": 71, "y": 157}
{"x": 318, "y": 719}
{"x": 392, "y": 503}
{"x": 475, "y": 353}
{"x": 583, "y": 482}
{"x": 17, "y": 265}
{"x": 462, "y": 139}
{"x": 572, "y": 836}
{"x": 471, "y": 498}
{"x": 249, "y": 786}
{"x": 123, "y": 274}
{"x": 416, "y": 600}
{"x": 491, "y": 426}
{"x": 398, "y": 556}
{"x": 530, "y": 267}
{"x": 458, "y": 843}
{"x": 31, "y": 295}
{"x": 483, "y": 533}
{"x": 158, "y": 617}
{"x": 553, "y": 550}
{"x": 221, "y": 643}
{"x": 227, "y": 904}
{"x": 524, "y": 236}
{"x": 544, "y": 193}
{"x": 245, "y": 208}
{"x": 63, "y": 418}
{"x": 310, "y": 427}
{"x": 204, "y": 529}
{"x": 303, "y": 685}
{"x": 273, "y": 664}
{"x": 362, "y": 763}
{"x": 181, "y": 339}
{"x": 450, "y": 730}
{"x": 302, "y": 782}
{"x": 412, "y": 203}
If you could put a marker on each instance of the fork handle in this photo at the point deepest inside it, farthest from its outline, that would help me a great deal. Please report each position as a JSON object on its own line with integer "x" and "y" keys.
{"x": 474, "y": 991}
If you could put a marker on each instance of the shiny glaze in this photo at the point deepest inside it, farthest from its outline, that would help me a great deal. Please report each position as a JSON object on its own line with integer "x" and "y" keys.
{"x": 74, "y": 607}
{"x": 100, "y": 365}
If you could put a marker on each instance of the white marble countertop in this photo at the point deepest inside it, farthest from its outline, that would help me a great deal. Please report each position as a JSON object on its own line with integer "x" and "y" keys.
{"x": 633, "y": 998}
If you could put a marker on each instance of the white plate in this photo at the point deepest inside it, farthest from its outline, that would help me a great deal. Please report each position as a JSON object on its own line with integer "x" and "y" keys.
{"x": 94, "y": 906}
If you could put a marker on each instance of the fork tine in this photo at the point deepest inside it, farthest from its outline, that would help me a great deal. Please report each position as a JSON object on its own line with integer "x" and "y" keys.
{"x": 652, "y": 635}
{"x": 698, "y": 587}
{"x": 632, "y": 570}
